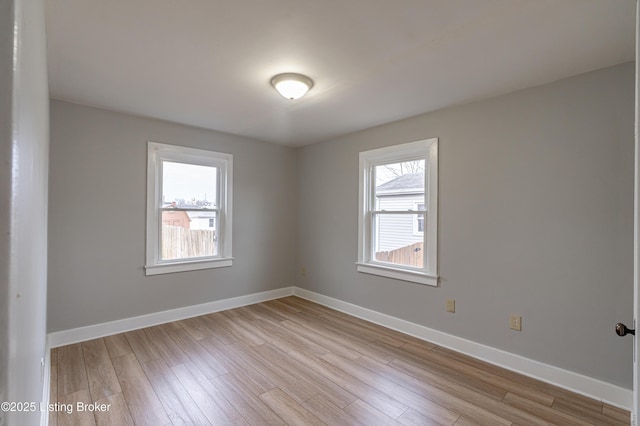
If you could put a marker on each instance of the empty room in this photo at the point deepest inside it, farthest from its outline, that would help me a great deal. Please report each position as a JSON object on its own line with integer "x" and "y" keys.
{"x": 363, "y": 212}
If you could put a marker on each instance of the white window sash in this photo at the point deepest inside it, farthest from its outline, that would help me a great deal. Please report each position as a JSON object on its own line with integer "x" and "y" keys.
{"x": 374, "y": 238}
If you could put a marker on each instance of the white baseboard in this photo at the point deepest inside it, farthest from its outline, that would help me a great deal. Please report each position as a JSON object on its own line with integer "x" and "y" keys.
{"x": 593, "y": 388}
{"x": 82, "y": 334}
{"x": 587, "y": 386}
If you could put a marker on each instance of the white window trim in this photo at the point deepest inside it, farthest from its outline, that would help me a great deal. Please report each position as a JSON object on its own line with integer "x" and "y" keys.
{"x": 368, "y": 159}
{"x": 158, "y": 152}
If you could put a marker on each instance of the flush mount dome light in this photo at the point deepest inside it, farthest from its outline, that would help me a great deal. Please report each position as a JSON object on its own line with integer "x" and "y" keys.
{"x": 292, "y": 86}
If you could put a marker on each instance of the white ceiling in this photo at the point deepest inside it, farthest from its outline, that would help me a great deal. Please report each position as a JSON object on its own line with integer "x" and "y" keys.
{"x": 208, "y": 63}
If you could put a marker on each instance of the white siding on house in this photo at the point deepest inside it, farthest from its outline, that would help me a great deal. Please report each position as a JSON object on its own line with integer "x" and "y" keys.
{"x": 201, "y": 220}
{"x": 397, "y": 230}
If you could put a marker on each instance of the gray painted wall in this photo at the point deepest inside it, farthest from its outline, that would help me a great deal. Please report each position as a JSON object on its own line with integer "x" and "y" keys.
{"x": 97, "y": 218}
{"x": 24, "y": 141}
{"x": 536, "y": 218}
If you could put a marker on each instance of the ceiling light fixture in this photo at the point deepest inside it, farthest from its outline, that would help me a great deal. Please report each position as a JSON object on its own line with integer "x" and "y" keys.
{"x": 292, "y": 86}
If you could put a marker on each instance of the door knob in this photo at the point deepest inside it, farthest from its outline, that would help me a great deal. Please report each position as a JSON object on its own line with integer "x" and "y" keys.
{"x": 622, "y": 330}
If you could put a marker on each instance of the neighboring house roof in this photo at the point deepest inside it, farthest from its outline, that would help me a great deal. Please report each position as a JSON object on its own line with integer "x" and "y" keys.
{"x": 186, "y": 205}
{"x": 410, "y": 182}
{"x": 201, "y": 214}
{"x": 196, "y": 213}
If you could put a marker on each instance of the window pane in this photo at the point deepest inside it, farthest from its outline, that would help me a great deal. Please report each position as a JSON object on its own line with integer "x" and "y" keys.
{"x": 399, "y": 186}
{"x": 193, "y": 233}
{"x": 186, "y": 234}
{"x": 189, "y": 185}
{"x": 399, "y": 238}
{"x": 395, "y": 240}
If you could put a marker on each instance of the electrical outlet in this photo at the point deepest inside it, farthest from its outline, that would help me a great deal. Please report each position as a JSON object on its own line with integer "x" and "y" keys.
{"x": 451, "y": 305}
{"x": 515, "y": 322}
{"x": 303, "y": 271}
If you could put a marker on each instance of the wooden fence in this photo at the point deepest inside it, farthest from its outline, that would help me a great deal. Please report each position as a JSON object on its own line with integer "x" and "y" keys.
{"x": 409, "y": 255}
{"x": 180, "y": 243}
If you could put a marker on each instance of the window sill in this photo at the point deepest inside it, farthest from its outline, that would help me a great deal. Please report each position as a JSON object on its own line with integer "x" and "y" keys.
{"x": 399, "y": 274}
{"x": 194, "y": 265}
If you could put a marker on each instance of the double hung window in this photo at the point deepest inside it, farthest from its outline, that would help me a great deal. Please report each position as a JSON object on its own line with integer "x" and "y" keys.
{"x": 398, "y": 212}
{"x": 189, "y": 201}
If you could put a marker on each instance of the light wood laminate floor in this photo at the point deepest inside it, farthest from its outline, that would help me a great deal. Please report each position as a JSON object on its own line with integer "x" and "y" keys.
{"x": 291, "y": 361}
